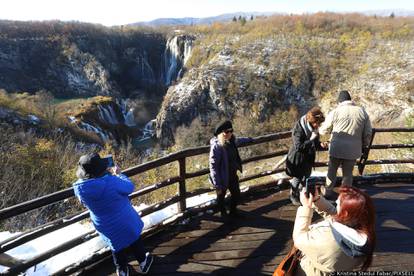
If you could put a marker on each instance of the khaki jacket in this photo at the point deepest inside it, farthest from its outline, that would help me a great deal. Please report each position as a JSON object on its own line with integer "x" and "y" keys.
{"x": 350, "y": 130}
{"x": 321, "y": 253}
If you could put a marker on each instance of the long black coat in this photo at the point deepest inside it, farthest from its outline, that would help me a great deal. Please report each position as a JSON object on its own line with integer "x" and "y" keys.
{"x": 301, "y": 155}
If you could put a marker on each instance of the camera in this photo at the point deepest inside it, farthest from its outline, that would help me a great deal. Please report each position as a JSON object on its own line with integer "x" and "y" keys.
{"x": 310, "y": 187}
{"x": 109, "y": 161}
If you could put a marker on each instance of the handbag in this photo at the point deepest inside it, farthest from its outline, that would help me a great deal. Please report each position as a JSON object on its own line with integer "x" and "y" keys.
{"x": 288, "y": 265}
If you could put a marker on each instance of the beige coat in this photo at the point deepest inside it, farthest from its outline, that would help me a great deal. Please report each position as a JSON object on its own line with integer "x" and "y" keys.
{"x": 350, "y": 130}
{"x": 321, "y": 253}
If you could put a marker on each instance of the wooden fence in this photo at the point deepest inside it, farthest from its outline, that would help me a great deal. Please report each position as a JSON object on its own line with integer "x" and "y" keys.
{"x": 181, "y": 197}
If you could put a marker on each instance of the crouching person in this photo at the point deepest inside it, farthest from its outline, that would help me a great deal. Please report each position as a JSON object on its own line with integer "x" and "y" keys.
{"x": 104, "y": 191}
{"x": 343, "y": 241}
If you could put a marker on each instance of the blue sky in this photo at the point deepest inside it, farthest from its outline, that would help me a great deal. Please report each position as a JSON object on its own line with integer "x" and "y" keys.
{"x": 116, "y": 12}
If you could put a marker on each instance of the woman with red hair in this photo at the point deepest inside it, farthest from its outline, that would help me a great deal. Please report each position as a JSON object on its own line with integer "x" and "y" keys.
{"x": 343, "y": 241}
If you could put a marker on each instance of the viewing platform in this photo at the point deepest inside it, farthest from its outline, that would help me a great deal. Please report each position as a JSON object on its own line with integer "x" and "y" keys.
{"x": 256, "y": 243}
{"x": 196, "y": 241}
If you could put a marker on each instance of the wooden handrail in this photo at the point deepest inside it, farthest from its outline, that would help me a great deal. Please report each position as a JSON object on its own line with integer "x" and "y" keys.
{"x": 24, "y": 207}
{"x": 179, "y": 157}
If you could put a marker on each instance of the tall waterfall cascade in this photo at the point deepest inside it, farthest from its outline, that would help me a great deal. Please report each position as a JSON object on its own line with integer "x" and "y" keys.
{"x": 129, "y": 118}
{"x": 107, "y": 114}
{"x": 145, "y": 71}
{"x": 177, "y": 52}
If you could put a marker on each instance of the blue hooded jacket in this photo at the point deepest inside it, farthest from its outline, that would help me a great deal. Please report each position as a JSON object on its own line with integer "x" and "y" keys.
{"x": 111, "y": 212}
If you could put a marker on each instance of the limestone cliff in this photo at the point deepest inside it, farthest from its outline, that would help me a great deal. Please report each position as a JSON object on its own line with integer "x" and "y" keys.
{"x": 254, "y": 77}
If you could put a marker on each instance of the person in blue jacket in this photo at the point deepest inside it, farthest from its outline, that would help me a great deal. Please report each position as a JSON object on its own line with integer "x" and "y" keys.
{"x": 224, "y": 162}
{"x": 104, "y": 191}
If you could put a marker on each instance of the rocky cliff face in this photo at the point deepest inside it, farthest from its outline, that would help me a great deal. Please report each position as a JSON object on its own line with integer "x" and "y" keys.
{"x": 384, "y": 84}
{"x": 82, "y": 60}
{"x": 263, "y": 76}
{"x": 108, "y": 119}
{"x": 78, "y": 67}
{"x": 228, "y": 85}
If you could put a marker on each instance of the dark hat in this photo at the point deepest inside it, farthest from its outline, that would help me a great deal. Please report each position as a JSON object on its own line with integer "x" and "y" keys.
{"x": 222, "y": 127}
{"x": 91, "y": 166}
{"x": 344, "y": 96}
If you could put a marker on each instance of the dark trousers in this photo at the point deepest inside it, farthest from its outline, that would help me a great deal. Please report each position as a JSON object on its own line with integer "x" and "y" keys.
{"x": 234, "y": 188}
{"x": 297, "y": 183}
{"x": 121, "y": 257}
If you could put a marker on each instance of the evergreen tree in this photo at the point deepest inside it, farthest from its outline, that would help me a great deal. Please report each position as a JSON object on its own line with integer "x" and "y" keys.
{"x": 243, "y": 21}
{"x": 234, "y": 19}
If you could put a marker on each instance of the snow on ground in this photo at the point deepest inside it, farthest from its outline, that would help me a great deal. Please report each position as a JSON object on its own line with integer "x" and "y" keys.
{"x": 78, "y": 253}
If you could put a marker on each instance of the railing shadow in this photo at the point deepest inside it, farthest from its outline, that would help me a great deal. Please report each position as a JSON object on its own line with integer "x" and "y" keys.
{"x": 395, "y": 217}
{"x": 219, "y": 245}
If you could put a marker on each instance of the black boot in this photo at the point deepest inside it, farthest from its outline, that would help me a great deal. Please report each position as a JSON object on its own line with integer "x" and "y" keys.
{"x": 223, "y": 213}
{"x": 294, "y": 197}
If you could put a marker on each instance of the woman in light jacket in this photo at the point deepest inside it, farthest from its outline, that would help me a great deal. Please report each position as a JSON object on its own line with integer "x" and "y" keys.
{"x": 224, "y": 162}
{"x": 343, "y": 241}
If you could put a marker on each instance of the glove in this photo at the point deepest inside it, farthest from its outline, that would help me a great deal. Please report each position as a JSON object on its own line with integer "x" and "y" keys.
{"x": 313, "y": 136}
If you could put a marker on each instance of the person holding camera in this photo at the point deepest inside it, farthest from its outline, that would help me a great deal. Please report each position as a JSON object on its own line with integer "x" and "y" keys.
{"x": 301, "y": 156}
{"x": 224, "y": 162}
{"x": 343, "y": 241}
{"x": 104, "y": 191}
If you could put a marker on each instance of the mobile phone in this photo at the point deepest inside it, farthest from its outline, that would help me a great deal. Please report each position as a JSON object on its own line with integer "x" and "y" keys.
{"x": 109, "y": 161}
{"x": 310, "y": 187}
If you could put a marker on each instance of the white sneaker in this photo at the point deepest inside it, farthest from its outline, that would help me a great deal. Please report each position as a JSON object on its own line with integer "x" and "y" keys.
{"x": 145, "y": 266}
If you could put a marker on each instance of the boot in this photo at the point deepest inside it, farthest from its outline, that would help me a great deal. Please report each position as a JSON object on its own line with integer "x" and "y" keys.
{"x": 294, "y": 197}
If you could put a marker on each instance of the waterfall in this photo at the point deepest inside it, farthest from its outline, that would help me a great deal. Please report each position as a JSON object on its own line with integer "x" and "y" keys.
{"x": 129, "y": 118}
{"x": 149, "y": 129}
{"x": 177, "y": 52}
{"x": 187, "y": 51}
{"x": 146, "y": 70}
{"x": 91, "y": 128}
{"x": 171, "y": 58}
{"x": 107, "y": 114}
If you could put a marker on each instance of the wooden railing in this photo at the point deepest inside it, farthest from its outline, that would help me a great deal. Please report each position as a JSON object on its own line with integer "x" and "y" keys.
{"x": 181, "y": 178}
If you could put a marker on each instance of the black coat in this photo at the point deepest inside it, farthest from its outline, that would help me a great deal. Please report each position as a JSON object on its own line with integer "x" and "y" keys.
{"x": 301, "y": 155}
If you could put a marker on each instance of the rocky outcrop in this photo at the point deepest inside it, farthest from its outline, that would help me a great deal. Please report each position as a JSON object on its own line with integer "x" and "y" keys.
{"x": 252, "y": 80}
{"x": 15, "y": 119}
{"x": 108, "y": 119}
{"x": 384, "y": 85}
{"x": 83, "y": 62}
{"x": 225, "y": 87}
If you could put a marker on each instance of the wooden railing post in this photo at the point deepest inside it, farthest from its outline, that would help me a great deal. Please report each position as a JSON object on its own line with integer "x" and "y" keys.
{"x": 181, "y": 184}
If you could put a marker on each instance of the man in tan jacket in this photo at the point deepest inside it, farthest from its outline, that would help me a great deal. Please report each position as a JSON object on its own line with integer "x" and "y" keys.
{"x": 351, "y": 131}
